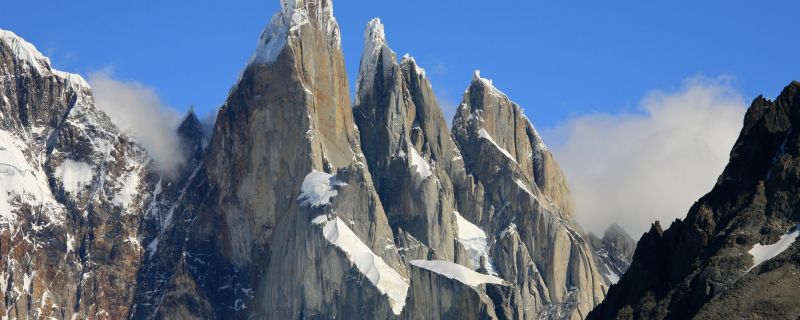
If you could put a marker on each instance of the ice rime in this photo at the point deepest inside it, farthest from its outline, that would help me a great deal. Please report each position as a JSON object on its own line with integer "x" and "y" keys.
{"x": 456, "y": 272}
{"x": 293, "y": 15}
{"x": 318, "y": 189}
{"x": 385, "y": 278}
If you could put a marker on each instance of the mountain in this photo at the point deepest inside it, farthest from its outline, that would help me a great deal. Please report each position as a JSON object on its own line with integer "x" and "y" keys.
{"x": 734, "y": 255}
{"x": 298, "y": 204}
{"x": 74, "y": 192}
{"x": 614, "y": 251}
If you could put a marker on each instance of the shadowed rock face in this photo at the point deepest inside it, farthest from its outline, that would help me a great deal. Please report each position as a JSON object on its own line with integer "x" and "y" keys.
{"x": 701, "y": 266}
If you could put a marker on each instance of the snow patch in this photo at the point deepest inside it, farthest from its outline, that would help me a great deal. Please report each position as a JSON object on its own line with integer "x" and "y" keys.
{"x": 423, "y": 168}
{"x": 763, "y": 253}
{"x": 483, "y": 134}
{"x": 456, "y": 272}
{"x": 318, "y": 189}
{"x": 128, "y": 192}
{"x": 74, "y": 175}
{"x": 474, "y": 240}
{"x": 20, "y": 182}
{"x": 384, "y": 277}
{"x": 70, "y": 243}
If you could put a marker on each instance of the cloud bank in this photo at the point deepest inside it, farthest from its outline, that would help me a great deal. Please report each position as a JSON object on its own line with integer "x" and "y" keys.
{"x": 636, "y": 168}
{"x": 137, "y": 110}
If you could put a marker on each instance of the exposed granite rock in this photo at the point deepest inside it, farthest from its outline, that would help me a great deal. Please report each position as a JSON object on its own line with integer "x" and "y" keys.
{"x": 701, "y": 266}
{"x": 523, "y": 193}
{"x": 407, "y": 146}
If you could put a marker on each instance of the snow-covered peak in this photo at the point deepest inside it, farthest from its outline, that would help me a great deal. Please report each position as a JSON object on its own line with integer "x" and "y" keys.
{"x": 27, "y": 52}
{"x": 374, "y": 36}
{"x": 289, "y": 21}
{"x": 374, "y": 45}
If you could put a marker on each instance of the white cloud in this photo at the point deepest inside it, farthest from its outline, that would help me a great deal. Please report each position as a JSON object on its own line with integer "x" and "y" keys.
{"x": 634, "y": 169}
{"x": 137, "y": 110}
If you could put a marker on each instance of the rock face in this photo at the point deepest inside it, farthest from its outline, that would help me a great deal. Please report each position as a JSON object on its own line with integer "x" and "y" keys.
{"x": 297, "y": 206}
{"x": 427, "y": 179}
{"x": 614, "y": 252}
{"x": 734, "y": 254}
{"x": 524, "y": 202}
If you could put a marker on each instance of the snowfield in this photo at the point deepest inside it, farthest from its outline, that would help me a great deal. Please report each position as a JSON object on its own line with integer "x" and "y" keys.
{"x": 384, "y": 277}
{"x": 456, "y": 272}
{"x": 474, "y": 240}
{"x": 763, "y": 253}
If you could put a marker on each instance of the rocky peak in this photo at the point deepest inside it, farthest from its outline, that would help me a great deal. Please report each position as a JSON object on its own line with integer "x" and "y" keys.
{"x": 486, "y": 114}
{"x": 401, "y": 127}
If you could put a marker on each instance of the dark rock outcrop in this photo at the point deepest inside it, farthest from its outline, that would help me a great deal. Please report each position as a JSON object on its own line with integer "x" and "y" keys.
{"x": 703, "y": 266}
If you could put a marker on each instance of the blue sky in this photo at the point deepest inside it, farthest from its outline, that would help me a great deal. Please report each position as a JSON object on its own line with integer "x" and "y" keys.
{"x": 558, "y": 59}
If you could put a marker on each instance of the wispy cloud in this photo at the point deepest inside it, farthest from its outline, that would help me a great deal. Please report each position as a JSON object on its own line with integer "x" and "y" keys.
{"x": 137, "y": 110}
{"x": 633, "y": 169}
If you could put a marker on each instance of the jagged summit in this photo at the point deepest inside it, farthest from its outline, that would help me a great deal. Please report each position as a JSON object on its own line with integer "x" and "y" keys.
{"x": 289, "y": 22}
{"x": 408, "y": 63}
{"x": 25, "y": 51}
{"x": 376, "y": 50}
